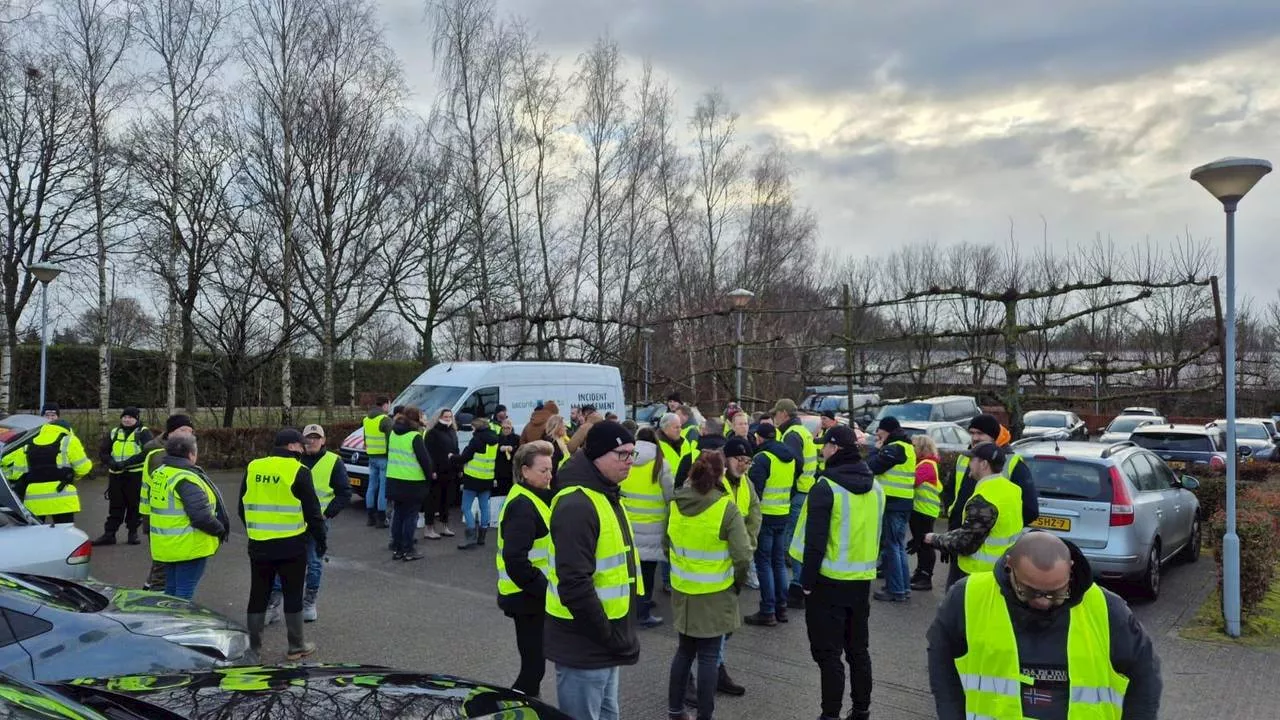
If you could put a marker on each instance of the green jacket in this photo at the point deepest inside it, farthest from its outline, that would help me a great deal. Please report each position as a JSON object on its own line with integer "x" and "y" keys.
{"x": 717, "y": 614}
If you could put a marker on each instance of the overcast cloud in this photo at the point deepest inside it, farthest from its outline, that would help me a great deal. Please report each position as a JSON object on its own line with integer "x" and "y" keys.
{"x": 944, "y": 120}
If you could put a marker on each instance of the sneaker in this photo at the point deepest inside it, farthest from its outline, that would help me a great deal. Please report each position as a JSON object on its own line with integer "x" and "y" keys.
{"x": 922, "y": 582}
{"x": 761, "y": 620}
{"x": 430, "y": 534}
{"x": 397, "y": 555}
{"x": 781, "y": 614}
{"x": 411, "y": 556}
{"x": 445, "y": 531}
{"x": 652, "y": 621}
{"x": 886, "y": 596}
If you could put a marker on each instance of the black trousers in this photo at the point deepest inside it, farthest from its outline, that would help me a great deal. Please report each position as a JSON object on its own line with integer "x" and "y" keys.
{"x": 123, "y": 493}
{"x": 437, "y": 505}
{"x": 922, "y": 525}
{"x": 533, "y": 666}
{"x": 262, "y": 575}
{"x": 707, "y": 652}
{"x": 838, "y": 627}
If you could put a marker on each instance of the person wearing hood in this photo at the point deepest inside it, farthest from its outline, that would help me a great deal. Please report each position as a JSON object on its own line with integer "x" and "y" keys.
{"x": 774, "y": 472}
{"x": 645, "y": 494}
{"x": 987, "y": 429}
{"x": 706, "y": 539}
{"x": 838, "y": 542}
{"x": 377, "y": 429}
{"x": 282, "y": 515}
{"x": 894, "y": 466}
{"x": 189, "y": 522}
{"x": 712, "y": 439}
{"x": 122, "y": 452}
{"x": 174, "y": 425}
{"x": 524, "y": 542}
{"x": 992, "y": 518}
{"x": 536, "y": 428}
{"x": 479, "y": 462}
{"x": 409, "y": 470}
{"x": 593, "y": 583}
{"x": 1037, "y": 638}
{"x": 442, "y": 445}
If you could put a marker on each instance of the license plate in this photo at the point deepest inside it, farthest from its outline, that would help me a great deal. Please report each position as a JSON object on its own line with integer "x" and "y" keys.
{"x": 355, "y": 481}
{"x": 1052, "y": 523}
{"x": 1177, "y": 465}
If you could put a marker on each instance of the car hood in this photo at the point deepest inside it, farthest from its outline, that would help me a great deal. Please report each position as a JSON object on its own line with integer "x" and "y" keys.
{"x": 156, "y": 614}
{"x": 1114, "y": 437}
{"x": 341, "y": 692}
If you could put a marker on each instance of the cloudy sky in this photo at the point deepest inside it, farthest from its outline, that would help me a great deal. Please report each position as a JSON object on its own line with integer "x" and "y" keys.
{"x": 943, "y": 120}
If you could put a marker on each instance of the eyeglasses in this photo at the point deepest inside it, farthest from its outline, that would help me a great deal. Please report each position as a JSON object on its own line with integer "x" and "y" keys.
{"x": 1027, "y": 594}
{"x": 627, "y": 455}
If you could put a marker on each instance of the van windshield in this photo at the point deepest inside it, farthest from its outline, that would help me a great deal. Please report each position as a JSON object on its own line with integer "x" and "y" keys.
{"x": 430, "y": 398}
{"x": 906, "y": 411}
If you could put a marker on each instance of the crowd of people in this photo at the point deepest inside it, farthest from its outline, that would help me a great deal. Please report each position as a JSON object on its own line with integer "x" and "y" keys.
{"x": 599, "y": 515}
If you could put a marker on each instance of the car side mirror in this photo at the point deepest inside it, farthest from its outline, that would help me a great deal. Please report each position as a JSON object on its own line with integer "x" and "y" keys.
{"x": 1242, "y": 451}
{"x": 1186, "y": 482}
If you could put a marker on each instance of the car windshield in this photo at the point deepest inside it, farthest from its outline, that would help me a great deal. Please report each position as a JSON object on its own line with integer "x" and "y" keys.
{"x": 833, "y": 402}
{"x": 61, "y": 594}
{"x": 906, "y": 411}
{"x": 1127, "y": 423}
{"x": 1045, "y": 419}
{"x": 1173, "y": 442}
{"x": 1250, "y": 431}
{"x": 1070, "y": 479}
{"x": 430, "y": 398}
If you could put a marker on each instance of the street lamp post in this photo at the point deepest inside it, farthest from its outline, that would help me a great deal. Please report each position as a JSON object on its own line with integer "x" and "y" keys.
{"x": 647, "y": 332}
{"x": 740, "y": 299}
{"x": 1229, "y": 180}
{"x": 45, "y": 273}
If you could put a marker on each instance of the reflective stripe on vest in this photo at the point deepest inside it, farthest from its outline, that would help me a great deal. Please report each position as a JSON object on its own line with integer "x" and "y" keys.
{"x": 614, "y": 577}
{"x": 853, "y": 540}
{"x": 539, "y": 554}
{"x": 149, "y": 466}
{"x": 809, "y": 469}
{"x": 928, "y": 497}
{"x": 271, "y": 511}
{"x": 322, "y": 476}
{"x": 741, "y": 497}
{"x": 481, "y": 465}
{"x": 700, "y": 562}
{"x": 899, "y": 481}
{"x": 41, "y": 459}
{"x": 777, "y": 488}
{"x": 1007, "y": 498}
{"x": 124, "y": 445}
{"x": 642, "y": 496}
{"x": 375, "y": 441}
{"x": 402, "y": 461}
{"x": 172, "y": 537}
{"x": 991, "y": 673}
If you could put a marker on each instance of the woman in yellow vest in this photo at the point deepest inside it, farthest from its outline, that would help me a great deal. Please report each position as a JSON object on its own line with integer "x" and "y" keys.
{"x": 992, "y": 517}
{"x": 645, "y": 494}
{"x": 189, "y": 522}
{"x": 409, "y": 469}
{"x": 523, "y": 542}
{"x": 926, "y": 506}
{"x": 479, "y": 462}
{"x": 709, "y": 550}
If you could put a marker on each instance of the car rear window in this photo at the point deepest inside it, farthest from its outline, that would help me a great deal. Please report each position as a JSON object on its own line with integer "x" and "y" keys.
{"x": 1070, "y": 479}
{"x": 1172, "y": 442}
{"x": 1041, "y": 419}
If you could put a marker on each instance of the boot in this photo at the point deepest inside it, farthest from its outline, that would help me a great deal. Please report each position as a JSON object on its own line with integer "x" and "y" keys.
{"x": 298, "y": 645}
{"x": 859, "y": 715}
{"x": 761, "y": 620}
{"x": 373, "y": 519}
{"x": 445, "y": 531}
{"x": 922, "y": 582}
{"x": 480, "y": 533}
{"x": 256, "y": 622}
{"x": 468, "y": 539}
{"x": 382, "y": 520}
{"x": 309, "y": 604}
{"x": 273, "y": 608}
{"x": 726, "y": 685}
{"x": 795, "y": 598}
{"x": 133, "y": 537}
{"x": 105, "y": 538}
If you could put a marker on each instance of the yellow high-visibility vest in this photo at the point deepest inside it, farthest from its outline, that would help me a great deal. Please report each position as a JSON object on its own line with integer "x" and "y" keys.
{"x": 149, "y": 487}
{"x": 777, "y": 489}
{"x": 375, "y": 441}
{"x": 899, "y": 481}
{"x": 482, "y": 466}
{"x": 614, "y": 577}
{"x": 402, "y": 461}
{"x": 539, "y": 555}
{"x": 853, "y": 540}
{"x": 741, "y": 496}
{"x": 809, "y": 467}
{"x": 172, "y": 536}
{"x": 928, "y": 497}
{"x": 124, "y": 445}
{"x": 642, "y": 496}
{"x": 1007, "y": 497}
{"x": 271, "y": 510}
{"x": 700, "y": 561}
{"x": 962, "y": 467}
{"x": 322, "y": 477}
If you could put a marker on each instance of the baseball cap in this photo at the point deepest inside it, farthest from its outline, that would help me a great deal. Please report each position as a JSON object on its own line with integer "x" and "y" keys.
{"x": 990, "y": 452}
{"x": 313, "y": 429}
{"x": 288, "y": 436}
{"x": 737, "y": 447}
{"x": 785, "y": 405}
{"x": 829, "y": 414}
{"x": 841, "y": 436}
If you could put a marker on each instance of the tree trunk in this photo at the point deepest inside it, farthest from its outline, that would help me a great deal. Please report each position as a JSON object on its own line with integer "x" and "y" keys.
{"x": 231, "y": 388}
{"x": 1012, "y": 373}
{"x": 104, "y": 301}
{"x": 171, "y": 353}
{"x": 188, "y": 360}
{"x": 326, "y": 361}
{"x": 8, "y": 349}
{"x": 351, "y": 396}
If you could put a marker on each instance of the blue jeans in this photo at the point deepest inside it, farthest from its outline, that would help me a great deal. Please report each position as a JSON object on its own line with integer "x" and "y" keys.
{"x": 468, "y": 516}
{"x": 588, "y": 694}
{"x": 893, "y": 547}
{"x": 771, "y": 566}
{"x": 315, "y": 565}
{"x": 375, "y": 495}
{"x": 797, "y": 502}
{"x": 181, "y": 578}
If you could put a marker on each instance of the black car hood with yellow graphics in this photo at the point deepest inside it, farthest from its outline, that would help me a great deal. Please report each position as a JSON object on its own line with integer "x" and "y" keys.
{"x": 18, "y": 699}
{"x": 312, "y": 692}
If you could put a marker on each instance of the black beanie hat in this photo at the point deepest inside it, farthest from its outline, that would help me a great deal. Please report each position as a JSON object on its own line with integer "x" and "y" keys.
{"x": 987, "y": 424}
{"x": 51, "y": 407}
{"x": 132, "y": 412}
{"x": 604, "y": 437}
{"x": 889, "y": 424}
{"x": 176, "y": 421}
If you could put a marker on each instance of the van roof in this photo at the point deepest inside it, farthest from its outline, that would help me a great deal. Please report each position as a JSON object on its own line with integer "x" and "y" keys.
{"x": 470, "y": 373}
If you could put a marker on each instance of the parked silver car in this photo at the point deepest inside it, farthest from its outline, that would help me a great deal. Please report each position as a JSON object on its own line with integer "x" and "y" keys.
{"x": 1119, "y": 429}
{"x": 27, "y": 545}
{"x": 1120, "y": 504}
{"x": 1255, "y": 435}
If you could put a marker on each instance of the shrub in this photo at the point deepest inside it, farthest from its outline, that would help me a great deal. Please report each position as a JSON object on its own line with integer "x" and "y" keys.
{"x": 1212, "y": 494}
{"x": 231, "y": 448}
{"x": 1259, "y": 551}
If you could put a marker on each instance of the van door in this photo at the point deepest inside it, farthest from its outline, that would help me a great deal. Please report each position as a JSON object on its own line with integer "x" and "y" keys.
{"x": 482, "y": 402}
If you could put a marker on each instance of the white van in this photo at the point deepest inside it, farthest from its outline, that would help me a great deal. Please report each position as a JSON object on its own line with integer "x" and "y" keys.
{"x": 476, "y": 388}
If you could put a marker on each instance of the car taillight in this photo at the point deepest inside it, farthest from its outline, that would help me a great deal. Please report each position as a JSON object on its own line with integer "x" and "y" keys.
{"x": 1121, "y": 500}
{"x": 1217, "y": 463}
{"x": 81, "y": 554}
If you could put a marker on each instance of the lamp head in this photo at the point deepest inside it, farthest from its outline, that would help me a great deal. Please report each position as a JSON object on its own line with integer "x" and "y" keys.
{"x": 1231, "y": 178}
{"x": 740, "y": 298}
{"x": 45, "y": 272}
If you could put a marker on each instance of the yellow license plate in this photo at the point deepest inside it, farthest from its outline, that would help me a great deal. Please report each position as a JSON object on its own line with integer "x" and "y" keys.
{"x": 1052, "y": 523}
{"x": 355, "y": 481}
{"x": 1177, "y": 465}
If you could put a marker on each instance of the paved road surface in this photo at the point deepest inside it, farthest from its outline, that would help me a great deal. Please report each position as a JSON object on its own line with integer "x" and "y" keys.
{"x": 439, "y": 615}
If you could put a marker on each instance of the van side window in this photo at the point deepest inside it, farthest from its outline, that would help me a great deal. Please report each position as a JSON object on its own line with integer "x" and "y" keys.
{"x": 482, "y": 402}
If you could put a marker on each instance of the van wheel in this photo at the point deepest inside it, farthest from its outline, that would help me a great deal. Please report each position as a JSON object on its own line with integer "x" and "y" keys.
{"x": 1149, "y": 586}
{"x": 1191, "y": 552}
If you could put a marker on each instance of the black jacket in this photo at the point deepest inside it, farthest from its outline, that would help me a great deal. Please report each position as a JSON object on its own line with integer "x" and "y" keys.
{"x": 758, "y": 473}
{"x": 887, "y": 457}
{"x": 339, "y": 483}
{"x": 1042, "y": 649}
{"x": 1021, "y": 477}
{"x": 521, "y": 525}
{"x": 705, "y": 443}
{"x": 400, "y": 490}
{"x": 442, "y": 445}
{"x": 503, "y": 471}
{"x": 291, "y": 547}
{"x": 144, "y": 438}
{"x": 590, "y": 640}
{"x": 846, "y": 469}
{"x": 480, "y": 439}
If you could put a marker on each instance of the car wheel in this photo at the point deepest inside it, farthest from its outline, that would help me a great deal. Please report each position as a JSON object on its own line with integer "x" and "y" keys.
{"x": 1149, "y": 585}
{"x": 1191, "y": 552}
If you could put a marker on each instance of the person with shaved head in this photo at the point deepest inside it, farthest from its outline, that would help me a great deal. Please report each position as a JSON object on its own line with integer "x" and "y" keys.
{"x": 1037, "y": 638}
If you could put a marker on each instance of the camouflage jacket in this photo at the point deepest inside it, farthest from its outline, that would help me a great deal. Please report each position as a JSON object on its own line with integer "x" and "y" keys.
{"x": 979, "y": 519}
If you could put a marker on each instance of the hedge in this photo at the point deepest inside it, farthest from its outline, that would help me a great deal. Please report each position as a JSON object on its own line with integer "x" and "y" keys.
{"x": 1257, "y": 525}
{"x": 139, "y": 377}
{"x": 234, "y": 448}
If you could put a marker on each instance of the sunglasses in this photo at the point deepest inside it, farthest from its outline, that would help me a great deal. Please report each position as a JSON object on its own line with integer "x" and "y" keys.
{"x": 1026, "y": 594}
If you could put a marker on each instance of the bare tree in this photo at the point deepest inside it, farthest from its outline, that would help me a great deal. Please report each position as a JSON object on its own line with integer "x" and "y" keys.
{"x": 720, "y": 163}
{"x": 128, "y": 323}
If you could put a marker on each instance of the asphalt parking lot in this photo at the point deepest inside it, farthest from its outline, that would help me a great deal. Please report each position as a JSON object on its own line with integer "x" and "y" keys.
{"x": 440, "y": 615}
